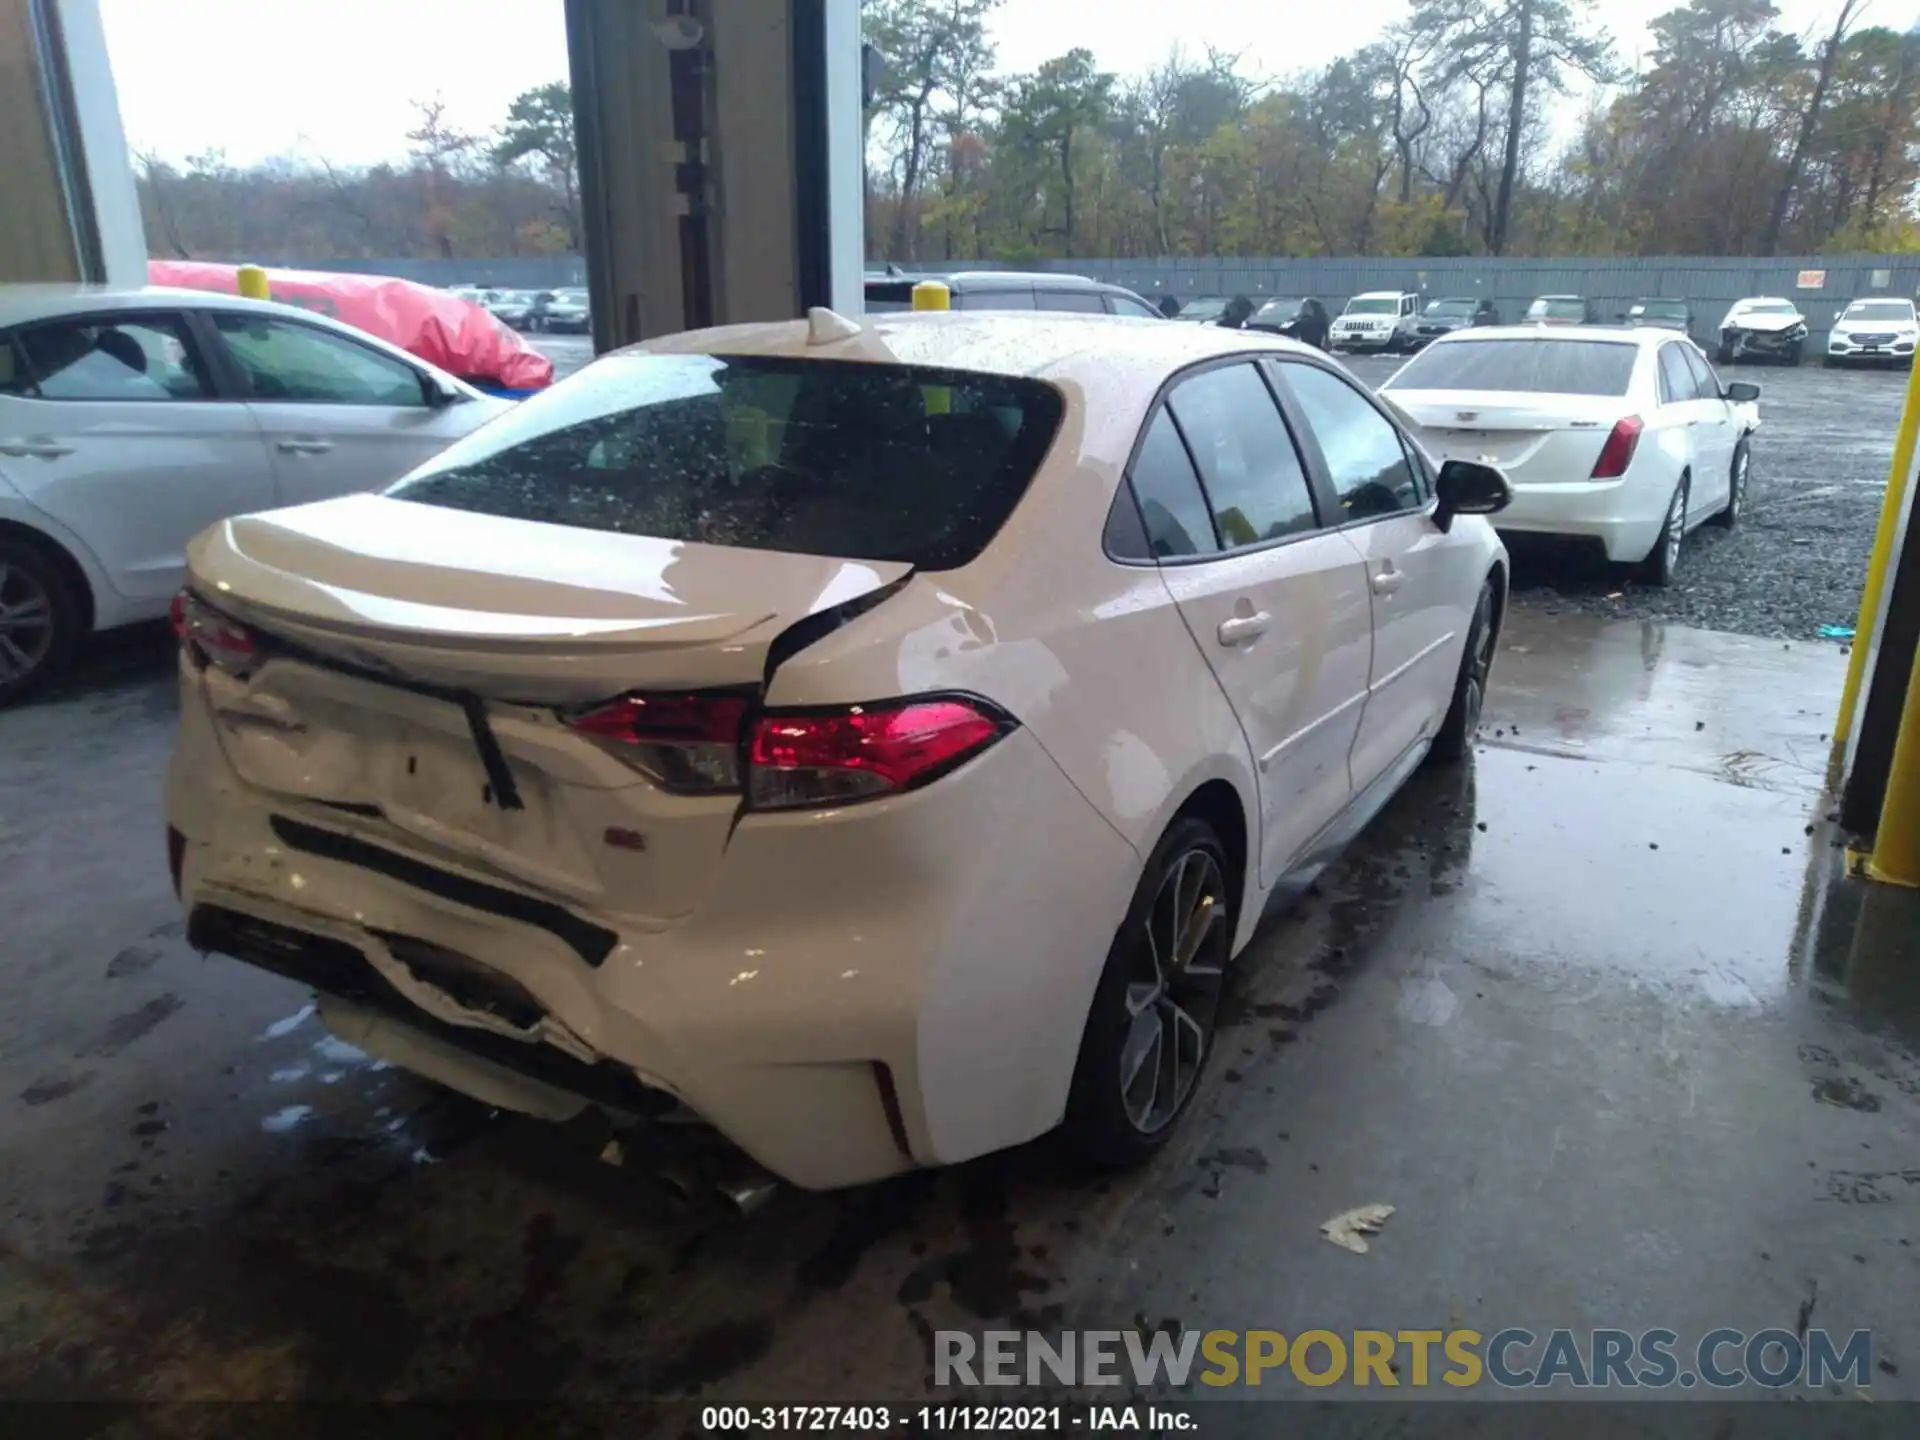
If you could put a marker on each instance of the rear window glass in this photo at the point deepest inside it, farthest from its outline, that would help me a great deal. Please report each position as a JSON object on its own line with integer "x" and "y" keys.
{"x": 820, "y": 457}
{"x": 1548, "y": 367}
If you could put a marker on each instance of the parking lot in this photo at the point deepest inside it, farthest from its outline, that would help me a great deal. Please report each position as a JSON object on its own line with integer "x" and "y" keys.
{"x": 1523, "y": 1008}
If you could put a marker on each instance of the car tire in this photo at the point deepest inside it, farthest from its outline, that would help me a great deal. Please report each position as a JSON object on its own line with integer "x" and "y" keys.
{"x": 1737, "y": 477}
{"x": 1664, "y": 559}
{"x": 1455, "y": 736}
{"x": 1116, "y": 1112}
{"x": 41, "y": 618}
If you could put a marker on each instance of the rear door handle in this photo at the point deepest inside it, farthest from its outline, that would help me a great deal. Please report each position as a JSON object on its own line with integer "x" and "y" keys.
{"x": 301, "y": 446}
{"x": 37, "y": 447}
{"x": 1244, "y": 628}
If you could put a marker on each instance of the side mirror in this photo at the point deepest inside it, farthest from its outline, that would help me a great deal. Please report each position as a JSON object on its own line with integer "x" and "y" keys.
{"x": 1467, "y": 487}
{"x": 439, "y": 394}
{"x": 1743, "y": 392}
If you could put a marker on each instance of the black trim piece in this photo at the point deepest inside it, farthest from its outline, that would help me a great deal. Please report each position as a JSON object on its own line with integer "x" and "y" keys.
{"x": 500, "y": 782}
{"x": 591, "y": 942}
{"x": 805, "y": 631}
{"x": 337, "y": 969}
{"x": 1864, "y": 792}
{"x": 812, "y": 215}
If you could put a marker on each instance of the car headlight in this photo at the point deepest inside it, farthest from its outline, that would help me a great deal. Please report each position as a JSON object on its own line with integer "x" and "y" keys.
{"x": 1799, "y": 332}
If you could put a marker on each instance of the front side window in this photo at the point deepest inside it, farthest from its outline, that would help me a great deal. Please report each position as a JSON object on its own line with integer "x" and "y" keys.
{"x": 1127, "y": 305}
{"x": 1365, "y": 459}
{"x": 1706, "y": 383}
{"x": 128, "y": 357}
{"x": 1255, "y": 483}
{"x": 287, "y": 361}
{"x": 994, "y": 300}
{"x": 817, "y": 457}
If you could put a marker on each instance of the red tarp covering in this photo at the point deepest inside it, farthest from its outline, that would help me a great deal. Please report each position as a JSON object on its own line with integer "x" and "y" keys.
{"x": 459, "y": 336}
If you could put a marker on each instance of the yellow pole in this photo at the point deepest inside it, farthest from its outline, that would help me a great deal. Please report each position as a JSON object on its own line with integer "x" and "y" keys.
{"x": 1896, "y": 840}
{"x": 1881, "y": 557}
{"x": 252, "y": 282}
{"x": 932, "y": 295}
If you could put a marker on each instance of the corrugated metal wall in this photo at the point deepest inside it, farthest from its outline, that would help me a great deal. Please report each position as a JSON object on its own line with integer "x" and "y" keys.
{"x": 1708, "y": 283}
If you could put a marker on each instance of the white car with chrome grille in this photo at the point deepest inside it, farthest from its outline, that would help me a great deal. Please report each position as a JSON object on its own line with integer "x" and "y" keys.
{"x": 875, "y": 741}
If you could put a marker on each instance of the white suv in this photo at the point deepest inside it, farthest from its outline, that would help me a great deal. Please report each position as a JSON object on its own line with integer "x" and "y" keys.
{"x": 1377, "y": 320}
{"x": 1879, "y": 329}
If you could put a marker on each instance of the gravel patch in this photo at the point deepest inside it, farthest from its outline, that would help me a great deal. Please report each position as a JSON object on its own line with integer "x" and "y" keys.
{"x": 1798, "y": 558}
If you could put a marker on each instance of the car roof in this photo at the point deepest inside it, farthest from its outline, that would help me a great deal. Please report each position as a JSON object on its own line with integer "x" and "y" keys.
{"x": 22, "y": 303}
{"x": 1040, "y": 344}
{"x": 1381, "y": 294}
{"x": 1560, "y": 334}
{"x": 989, "y": 278}
{"x": 1765, "y": 300}
{"x": 1538, "y": 298}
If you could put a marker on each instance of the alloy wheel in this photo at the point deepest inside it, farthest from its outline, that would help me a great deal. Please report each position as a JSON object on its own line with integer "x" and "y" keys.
{"x": 1174, "y": 992}
{"x": 26, "y": 623}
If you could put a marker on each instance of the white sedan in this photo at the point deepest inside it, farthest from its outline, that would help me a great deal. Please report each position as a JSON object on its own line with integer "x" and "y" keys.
{"x": 1623, "y": 437}
{"x": 131, "y": 420}
{"x": 876, "y": 741}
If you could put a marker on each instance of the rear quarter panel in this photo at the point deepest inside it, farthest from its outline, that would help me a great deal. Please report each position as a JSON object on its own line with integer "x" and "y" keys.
{"x": 1089, "y": 655}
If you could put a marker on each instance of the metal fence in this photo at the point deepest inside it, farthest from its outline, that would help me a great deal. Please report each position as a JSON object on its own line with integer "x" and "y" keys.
{"x": 1821, "y": 284}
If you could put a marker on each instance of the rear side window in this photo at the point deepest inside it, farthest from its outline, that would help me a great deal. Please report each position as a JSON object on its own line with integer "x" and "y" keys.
{"x": 138, "y": 358}
{"x": 1086, "y": 302}
{"x": 1542, "y": 367}
{"x": 1677, "y": 384}
{"x": 287, "y": 361}
{"x": 864, "y": 461}
{"x": 1171, "y": 505}
{"x": 1253, "y": 476}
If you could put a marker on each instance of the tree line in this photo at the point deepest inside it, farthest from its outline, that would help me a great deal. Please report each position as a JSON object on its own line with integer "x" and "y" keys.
{"x": 1733, "y": 137}
{"x": 514, "y": 191}
{"x": 1448, "y": 135}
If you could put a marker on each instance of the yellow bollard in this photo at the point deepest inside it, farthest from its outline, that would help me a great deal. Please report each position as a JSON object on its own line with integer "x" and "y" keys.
{"x": 252, "y": 282}
{"x": 1896, "y": 840}
{"x": 1877, "y": 563}
{"x": 932, "y": 295}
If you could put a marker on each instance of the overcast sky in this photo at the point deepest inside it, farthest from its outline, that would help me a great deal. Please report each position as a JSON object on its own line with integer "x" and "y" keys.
{"x": 334, "y": 78}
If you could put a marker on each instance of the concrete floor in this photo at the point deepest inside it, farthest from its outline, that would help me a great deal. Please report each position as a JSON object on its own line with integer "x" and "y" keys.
{"x": 1594, "y": 1014}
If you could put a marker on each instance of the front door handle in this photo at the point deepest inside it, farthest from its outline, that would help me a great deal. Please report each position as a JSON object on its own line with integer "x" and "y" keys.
{"x": 302, "y": 446}
{"x": 1244, "y": 628}
{"x": 36, "y": 447}
{"x": 1388, "y": 581}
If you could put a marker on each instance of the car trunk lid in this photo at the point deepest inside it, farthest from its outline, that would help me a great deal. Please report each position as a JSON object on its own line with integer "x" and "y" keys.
{"x": 419, "y": 666}
{"x": 1535, "y": 438}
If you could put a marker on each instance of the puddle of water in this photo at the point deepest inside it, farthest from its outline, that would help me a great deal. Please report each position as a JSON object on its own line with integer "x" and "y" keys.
{"x": 336, "y": 1051}
{"x": 288, "y": 1025}
{"x": 285, "y": 1119}
{"x": 287, "y": 1074}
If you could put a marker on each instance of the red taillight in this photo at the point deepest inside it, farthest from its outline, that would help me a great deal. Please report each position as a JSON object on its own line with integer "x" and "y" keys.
{"x": 688, "y": 743}
{"x": 865, "y": 750}
{"x": 1617, "y": 454}
{"x": 211, "y": 636}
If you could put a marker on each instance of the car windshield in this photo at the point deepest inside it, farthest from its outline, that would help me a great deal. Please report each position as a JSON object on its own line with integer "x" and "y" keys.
{"x": 1558, "y": 309}
{"x": 1897, "y": 310}
{"x": 1765, "y": 307}
{"x": 1380, "y": 305}
{"x": 1659, "y": 309}
{"x": 1280, "y": 309}
{"x": 868, "y": 461}
{"x": 1548, "y": 367}
{"x": 1451, "y": 307}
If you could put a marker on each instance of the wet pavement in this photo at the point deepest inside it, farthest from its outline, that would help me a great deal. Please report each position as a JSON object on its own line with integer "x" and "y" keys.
{"x": 1595, "y": 1014}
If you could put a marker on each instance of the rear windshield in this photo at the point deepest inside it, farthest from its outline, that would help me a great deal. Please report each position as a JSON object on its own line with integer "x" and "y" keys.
{"x": 818, "y": 457}
{"x": 1280, "y": 309}
{"x": 1385, "y": 305}
{"x": 1881, "y": 310}
{"x": 1542, "y": 367}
